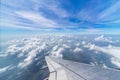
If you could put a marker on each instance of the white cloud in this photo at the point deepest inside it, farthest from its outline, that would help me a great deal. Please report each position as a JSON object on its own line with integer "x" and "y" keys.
{"x": 93, "y": 31}
{"x": 54, "y": 6}
{"x": 56, "y": 45}
{"x": 115, "y": 61}
{"x": 26, "y": 49}
{"x": 14, "y": 49}
{"x": 65, "y": 46}
{"x": 32, "y": 49}
{"x": 112, "y": 51}
{"x": 109, "y": 46}
{"x": 37, "y": 19}
{"x": 92, "y": 46}
{"x": 30, "y": 58}
{"x": 4, "y": 69}
{"x": 77, "y": 44}
{"x": 83, "y": 42}
{"x": 14, "y": 24}
{"x": 3, "y": 55}
{"x": 58, "y": 11}
{"x": 55, "y": 48}
{"x": 58, "y": 53}
{"x": 102, "y": 38}
{"x": 18, "y": 26}
{"x": 11, "y": 67}
{"x": 77, "y": 50}
{"x": 109, "y": 11}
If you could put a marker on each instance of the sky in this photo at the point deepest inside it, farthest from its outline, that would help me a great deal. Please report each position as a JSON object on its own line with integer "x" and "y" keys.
{"x": 82, "y": 16}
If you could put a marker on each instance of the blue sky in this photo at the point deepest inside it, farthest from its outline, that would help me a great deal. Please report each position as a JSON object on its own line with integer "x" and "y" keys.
{"x": 84, "y": 16}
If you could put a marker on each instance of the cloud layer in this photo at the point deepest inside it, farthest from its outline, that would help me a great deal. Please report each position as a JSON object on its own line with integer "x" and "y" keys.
{"x": 62, "y": 46}
{"x": 27, "y": 54}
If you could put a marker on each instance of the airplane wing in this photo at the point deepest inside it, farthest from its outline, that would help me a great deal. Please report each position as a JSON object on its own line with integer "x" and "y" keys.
{"x": 69, "y": 70}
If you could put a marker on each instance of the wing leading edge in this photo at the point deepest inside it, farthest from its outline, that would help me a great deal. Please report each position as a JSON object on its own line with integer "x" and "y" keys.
{"x": 69, "y": 70}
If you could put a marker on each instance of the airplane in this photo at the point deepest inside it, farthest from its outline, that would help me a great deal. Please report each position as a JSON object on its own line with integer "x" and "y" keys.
{"x": 61, "y": 69}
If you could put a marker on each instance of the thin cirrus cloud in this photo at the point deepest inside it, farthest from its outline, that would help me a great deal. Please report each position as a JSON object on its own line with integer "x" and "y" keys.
{"x": 44, "y": 14}
{"x": 113, "y": 9}
{"x": 37, "y": 19}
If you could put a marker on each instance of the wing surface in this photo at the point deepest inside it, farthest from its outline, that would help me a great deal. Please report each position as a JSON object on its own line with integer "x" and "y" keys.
{"x": 69, "y": 70}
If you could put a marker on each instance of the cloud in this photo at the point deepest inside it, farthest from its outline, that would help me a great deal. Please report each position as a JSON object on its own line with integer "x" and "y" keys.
{"x": 31, "y": 15}
{"x": 77, "y": 44}
{"x": 58, "y": 15}
{"x": 4, "y": 69}
{"x": 102, "y": 38}
{"x": 3, "y": 55}
{"x": 54, "y": 7}
{"x": 31, "y": 57}
{"x": 58, "y": 52}
{"x": 83, "y": 42}
{"x": 28, "y": 51}
{"x": 13, "y": 49}
{"x": 111, "y": 51}
{"x": 65, "y": 46}
{"x": 91, "y": 46}
{"x": 115, "y": 61}
{"x": 110, "y": 10}
{"x": 114, "y": 52}
{"x": 93, "y": 31}
{"x": 33, "y": 50}
{"x": 55, "y": 48}
{"x": 77, "y": 50}
{"x": 17, "y": 25}
{"x": 37, "y": 19}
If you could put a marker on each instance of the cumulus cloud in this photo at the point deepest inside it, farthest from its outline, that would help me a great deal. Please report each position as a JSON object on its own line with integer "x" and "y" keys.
{"x": 112, "y": 51}
{"x": 77, "y": 49}
{"x": 115, "y": 61}
{"x": 102, "y": 38}
{"x": 55, "y": 48}
{"x": 31, "y": 57}
{"x": 91, "y": 46}
{"x": 58, "y": 52}
{"x": 77, "y": 44}
{"x": 83, "y": 42}
{"x": 14, "y": 49}
{"x": 65, "y": 46}
{"x": 27, "y": 50}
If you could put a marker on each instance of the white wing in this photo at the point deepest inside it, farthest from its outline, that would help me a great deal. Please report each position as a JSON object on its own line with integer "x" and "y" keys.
{"x": 69, "y": 70}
